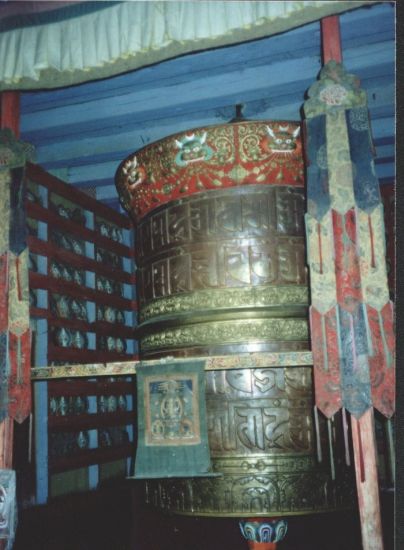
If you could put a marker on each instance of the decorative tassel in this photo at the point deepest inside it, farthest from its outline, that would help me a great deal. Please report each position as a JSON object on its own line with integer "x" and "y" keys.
{"x": 372, "y": 246}
{"x": 324, "y": 341}
{"x": 346, "y": 441}
{"x": 331, "y": 449}
{"x": 317, "y": 435}
{"x": 387, "y": 354}
{"x": 333, "y": 430}
{"x": 320, "y": 251}
{"x": 361, "y": 458}
{"x": 30, "y": 438}
{"x": 390, "y": 451}
{"x": 18, "y": 277}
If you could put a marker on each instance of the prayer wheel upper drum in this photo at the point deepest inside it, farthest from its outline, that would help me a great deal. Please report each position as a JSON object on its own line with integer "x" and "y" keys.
{"x": 219, "y": 214}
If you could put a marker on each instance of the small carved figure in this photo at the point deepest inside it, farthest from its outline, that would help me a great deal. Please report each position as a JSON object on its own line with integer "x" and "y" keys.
{"x": 135, "y": 175}
{"x": 282, "y": 140}
{"x": 192, "y": 148}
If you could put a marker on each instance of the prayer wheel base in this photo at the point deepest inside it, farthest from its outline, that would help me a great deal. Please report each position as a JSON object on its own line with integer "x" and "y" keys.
{"x": 263, "y": 534}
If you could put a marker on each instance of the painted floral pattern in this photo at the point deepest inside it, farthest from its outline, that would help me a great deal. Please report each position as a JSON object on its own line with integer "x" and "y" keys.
{"x": 210, "y": 158}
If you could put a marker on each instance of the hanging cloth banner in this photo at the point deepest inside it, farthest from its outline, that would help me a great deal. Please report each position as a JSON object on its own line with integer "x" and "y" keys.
{"x": 351, "y": 316}
{"x": 172, "y": 431}
{"x": 15, "y": 334}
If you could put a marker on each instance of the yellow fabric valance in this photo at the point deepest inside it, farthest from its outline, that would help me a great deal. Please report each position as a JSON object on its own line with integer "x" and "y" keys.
{"x": 95, "y": 40}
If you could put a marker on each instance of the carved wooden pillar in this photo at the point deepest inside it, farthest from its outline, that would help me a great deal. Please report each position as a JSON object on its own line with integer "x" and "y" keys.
{"x": 10, "y": 112}
{"x": 351, "y": 315}
{"x": 331, "y": 39}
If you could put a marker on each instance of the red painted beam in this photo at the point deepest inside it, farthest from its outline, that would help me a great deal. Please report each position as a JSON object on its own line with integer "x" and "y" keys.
{"x": 331, "y": 39}
{"x": 10, "y": 112}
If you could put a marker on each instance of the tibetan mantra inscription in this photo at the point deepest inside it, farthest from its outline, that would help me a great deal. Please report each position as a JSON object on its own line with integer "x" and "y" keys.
{"x": 233, "y": 260}
{"x": 220, "y": 253}
{"x": 261, "y": 439}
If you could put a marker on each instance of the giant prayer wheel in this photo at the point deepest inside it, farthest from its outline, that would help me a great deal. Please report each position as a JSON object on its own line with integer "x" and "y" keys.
{"x": 220, "y": 253}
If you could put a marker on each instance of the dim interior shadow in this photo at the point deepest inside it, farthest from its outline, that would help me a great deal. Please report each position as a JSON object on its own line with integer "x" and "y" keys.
{"x": 115, "y": 517}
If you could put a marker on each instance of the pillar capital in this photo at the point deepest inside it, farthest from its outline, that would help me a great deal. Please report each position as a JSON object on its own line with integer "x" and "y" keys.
{"x": 13, "y": 152}
{"x": 263, "y": 533}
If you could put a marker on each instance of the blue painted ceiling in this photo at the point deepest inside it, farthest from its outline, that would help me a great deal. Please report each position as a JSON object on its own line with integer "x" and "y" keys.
{"x": 81, "y": 133}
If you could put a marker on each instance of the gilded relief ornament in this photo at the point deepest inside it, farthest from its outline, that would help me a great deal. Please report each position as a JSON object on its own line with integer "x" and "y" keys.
{"x": 78, "y": 277}
{"x": 60, "y": 306}
{"x": 78, "y": 309}
{"x": 79, "y": 340}
{"x": 82, "y": 440}
{"x": 120, "y": 345}
{"x": 227, "y": 332}
{"x": 63, "y": 337}
{"x": 215, "y": 299}
{"x": 62, "y": 271}
{"x": 135, "y": 175}
{"x": 259, "y": 494}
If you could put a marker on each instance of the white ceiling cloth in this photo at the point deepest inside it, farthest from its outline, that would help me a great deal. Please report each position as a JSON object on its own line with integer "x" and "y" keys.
{"x": 84, "y": 41}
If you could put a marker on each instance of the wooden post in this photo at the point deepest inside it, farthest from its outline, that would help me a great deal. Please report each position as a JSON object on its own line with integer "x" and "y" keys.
{"x": 331, "y": 39}
{"x": 6, "y": 443}
{"x": 367, "y": 486}
{"x": 252, "y": 545}
{"x": 364, "y": 444}
{"x": 10, "y": 112}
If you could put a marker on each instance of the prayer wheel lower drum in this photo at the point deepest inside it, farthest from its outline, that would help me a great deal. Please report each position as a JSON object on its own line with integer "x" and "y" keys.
{"x": 220, "y": 253}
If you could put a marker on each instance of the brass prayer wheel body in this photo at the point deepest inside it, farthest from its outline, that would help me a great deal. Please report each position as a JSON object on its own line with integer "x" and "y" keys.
{"x": 223, "y": 272}
{"x": 220, "y": 258}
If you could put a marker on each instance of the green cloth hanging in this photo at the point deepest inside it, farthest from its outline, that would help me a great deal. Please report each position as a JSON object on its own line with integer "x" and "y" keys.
{"x": 172, "y": 431}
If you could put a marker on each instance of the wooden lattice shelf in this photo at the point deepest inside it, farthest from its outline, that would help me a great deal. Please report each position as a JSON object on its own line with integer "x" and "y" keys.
{"x": 83, "y": 311}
